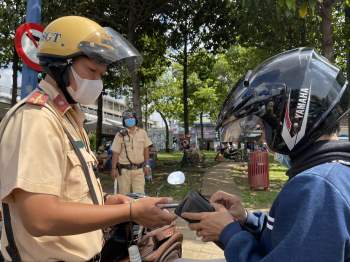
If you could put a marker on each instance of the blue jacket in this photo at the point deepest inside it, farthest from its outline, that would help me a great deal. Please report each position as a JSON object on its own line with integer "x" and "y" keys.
{"x": 308, "y": 221}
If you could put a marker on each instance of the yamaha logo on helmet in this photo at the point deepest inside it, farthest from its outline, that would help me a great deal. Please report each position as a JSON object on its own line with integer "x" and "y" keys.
{"x": 303, "y": 97}
{"x": 301, "y": 114}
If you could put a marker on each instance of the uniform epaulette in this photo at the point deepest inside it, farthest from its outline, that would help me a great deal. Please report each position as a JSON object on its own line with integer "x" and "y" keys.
{"x": 37, "y": 98}
{"x": 123, "y": 132}
{"x": 61, "y": 103}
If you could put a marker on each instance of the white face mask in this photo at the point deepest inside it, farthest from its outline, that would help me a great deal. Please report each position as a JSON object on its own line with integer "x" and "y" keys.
{"x": 87, "y": 90}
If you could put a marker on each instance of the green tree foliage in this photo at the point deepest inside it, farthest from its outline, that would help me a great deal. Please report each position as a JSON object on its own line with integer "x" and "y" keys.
{"x": 196, "y": 23}
{"x": 11, "y": 16}
{"x": 136, "y": 19}
{"x": 210, "y": 79}
{"x": 324, "y": 9}
{"x": 275, "y": 29}
{"x": 213, "y": 75}
{"x": 165, "y": 98}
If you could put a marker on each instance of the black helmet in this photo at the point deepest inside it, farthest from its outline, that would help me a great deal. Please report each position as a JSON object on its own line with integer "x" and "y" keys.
{"x": 299, "y": 96}
{"x": 129, "y": 114}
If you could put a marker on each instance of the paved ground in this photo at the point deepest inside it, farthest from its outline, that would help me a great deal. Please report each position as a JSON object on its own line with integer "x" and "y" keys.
{"x": 216, "y": 178}
{"x": 220, "y": 177}
{"x": 194, "y": 248}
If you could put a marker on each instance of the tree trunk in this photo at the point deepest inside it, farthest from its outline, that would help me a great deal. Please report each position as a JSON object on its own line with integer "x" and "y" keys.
{"x": 201, "y": 122}
{"x": 303, "y": 32}
{"x": 202, "y": 130}
{"x": 146, "y": 110}
{"x": 185, "y": 86}
{"x": 166, "y": 132}
{"x": 327, "y": 29}
{"x": 15, "y": 61}
{"x": 136, "y": 98}
{"x": 347, "y": 41}
{"x": 99, "y": 121}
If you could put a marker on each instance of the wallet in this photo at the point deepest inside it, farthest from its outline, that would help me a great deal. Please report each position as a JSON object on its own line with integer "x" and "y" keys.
{"x": 194, "y": 202}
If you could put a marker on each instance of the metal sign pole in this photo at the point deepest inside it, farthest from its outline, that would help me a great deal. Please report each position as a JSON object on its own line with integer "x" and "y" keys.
{"x": 29, "y": 76}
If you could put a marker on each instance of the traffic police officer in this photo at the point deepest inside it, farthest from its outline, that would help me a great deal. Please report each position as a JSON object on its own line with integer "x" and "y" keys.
{"x": 130, "y": 156}
{"x": 50, "y": 211}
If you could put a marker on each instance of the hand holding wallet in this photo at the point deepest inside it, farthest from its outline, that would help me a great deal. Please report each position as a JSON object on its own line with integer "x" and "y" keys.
{"x": 194, "y": 202}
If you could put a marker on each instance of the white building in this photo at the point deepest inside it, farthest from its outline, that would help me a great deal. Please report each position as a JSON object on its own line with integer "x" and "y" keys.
{"x": 112, "y": 115}
{"x": 112, "y": 112}
{"x": 5, "y": 100}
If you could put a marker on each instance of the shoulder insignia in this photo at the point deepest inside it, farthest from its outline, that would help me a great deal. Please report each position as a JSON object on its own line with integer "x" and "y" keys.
{"x": 61, "y": 103}
{"x": 123, "y": 132}
{"x": 37, "y": 98}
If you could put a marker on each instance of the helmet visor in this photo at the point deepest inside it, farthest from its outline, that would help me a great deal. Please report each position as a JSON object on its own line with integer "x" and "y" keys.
{"x": 238, "y": 95}
{"x": 111, "y": 49}
{"x": 233, "y": 129}
{"x": 246, "y": 101}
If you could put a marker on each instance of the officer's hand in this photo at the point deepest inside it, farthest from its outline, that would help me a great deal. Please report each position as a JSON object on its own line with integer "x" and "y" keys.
{"x": 144, "y": 211}
{"x": 148, "y": 178}
{"x": 148, "y": 174}
{"x": 114, "y": 173}
{"x": 117, "y": 199}
{"x": 147, "y": 171}
{"x": 232, "y": 203}
{"x": 210, "y": 224}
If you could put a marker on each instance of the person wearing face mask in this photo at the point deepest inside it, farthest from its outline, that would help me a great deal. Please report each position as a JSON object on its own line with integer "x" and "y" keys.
{"x": 284, "y": 160}
{"x": 53, "y": 204}
{"x": 130, "y": 156}
{"x": 300, "y": 99}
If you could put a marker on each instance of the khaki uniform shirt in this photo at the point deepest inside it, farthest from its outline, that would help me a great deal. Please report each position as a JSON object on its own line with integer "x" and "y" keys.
{"x": 135, "y": 143}
{"x": 36, "y": 156}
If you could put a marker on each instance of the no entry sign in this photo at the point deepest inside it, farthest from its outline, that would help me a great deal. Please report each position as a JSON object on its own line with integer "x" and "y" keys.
{"x": 27, "y": 44}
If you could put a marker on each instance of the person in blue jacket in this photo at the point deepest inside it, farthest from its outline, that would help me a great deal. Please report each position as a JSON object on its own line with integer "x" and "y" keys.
{"x": 300, "y": 98}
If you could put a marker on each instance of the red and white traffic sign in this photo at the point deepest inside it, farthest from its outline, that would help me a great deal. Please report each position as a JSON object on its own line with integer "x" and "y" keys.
{"x": 27, "y": 44}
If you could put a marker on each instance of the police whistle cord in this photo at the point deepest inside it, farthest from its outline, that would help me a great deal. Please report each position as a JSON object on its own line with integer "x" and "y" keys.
{"x": 82, "y": 161}
{"x": 124, "y": 133}
{"x": 11, "y": 248}
{"x": 84, "y": 166}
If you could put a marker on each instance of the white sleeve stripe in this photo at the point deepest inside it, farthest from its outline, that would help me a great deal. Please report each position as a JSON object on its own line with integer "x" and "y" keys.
{"x": 271, "y": 219}
{"x": 269, "y": 226}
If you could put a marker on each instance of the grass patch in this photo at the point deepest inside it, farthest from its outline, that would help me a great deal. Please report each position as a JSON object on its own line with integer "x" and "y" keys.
{"x": 167, "y": 163}
{"x": 159, "y": 184}
{"x": 260, "y": 199}
{"x": 173, "y": 156}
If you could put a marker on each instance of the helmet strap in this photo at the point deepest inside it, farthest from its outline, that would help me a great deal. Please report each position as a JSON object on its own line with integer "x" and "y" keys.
{"x": 61, "y": 75}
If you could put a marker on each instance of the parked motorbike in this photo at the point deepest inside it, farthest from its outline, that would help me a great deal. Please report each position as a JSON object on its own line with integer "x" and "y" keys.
{"x": 236, "y": 155}
{"x": 158, "y": 245}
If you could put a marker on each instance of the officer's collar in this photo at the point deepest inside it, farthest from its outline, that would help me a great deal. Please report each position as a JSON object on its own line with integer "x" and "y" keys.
{"x": 133, "y": 132}
{"x": 58, "y": 100}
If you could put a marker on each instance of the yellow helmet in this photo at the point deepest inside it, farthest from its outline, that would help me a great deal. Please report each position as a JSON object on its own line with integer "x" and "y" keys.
{"x": 72, "y": 36}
